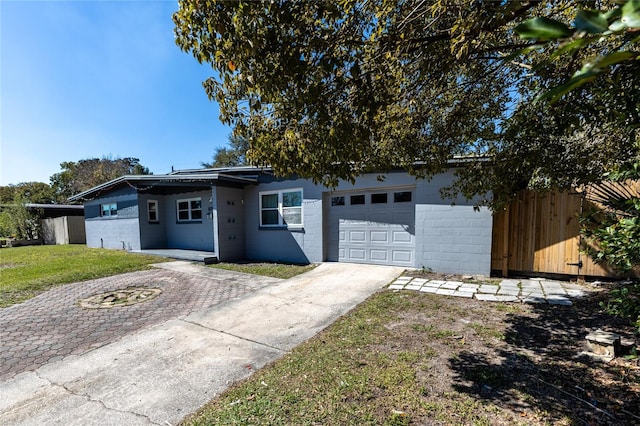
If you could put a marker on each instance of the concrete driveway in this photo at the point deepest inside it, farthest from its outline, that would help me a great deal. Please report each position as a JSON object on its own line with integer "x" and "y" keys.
{"x": 159, "y": 369}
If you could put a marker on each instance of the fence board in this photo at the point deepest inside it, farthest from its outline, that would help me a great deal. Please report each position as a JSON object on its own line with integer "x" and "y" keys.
{"x": 542, "y": 236}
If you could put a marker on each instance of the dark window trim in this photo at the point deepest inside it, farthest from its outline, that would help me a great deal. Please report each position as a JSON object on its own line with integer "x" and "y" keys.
{"x": 386, "y": 198}
{"x": 364, "y": 200}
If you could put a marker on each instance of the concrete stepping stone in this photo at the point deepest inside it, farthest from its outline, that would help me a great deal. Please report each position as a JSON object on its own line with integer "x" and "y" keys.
{"x": 554, "y": 290}
{"x": 396, "y": 286}
{"x": 452, "y": 285}
{"x": 445, "y": 291}
{"x": 509, "y": 283}
{"x": 488, "y": 289}
{"x": 559, "y": 300}
{"x": 419, "y": 281}
{"x": 468, "y": 287}
{"x": 535, "y": 299}
{"x": 496, "y": 298}
{"x": 433, "y": 284}
{"x": 466, "y": 294}
{"x": 427, "y": 289}
{"x": 412, "y": 286}
{"x": 508, "y": 291}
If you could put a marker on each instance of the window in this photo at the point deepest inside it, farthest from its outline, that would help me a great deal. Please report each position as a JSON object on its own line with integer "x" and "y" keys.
{"x": 189, "y": 209}
{"x": 152, "y": 210}
{"x": 379, "y": 198}
{"x": 337, "y": 201}
{"x": 107, "y": 210}
{"x": 281, "y": 208}
{"x": 402, "y": 197}
{"x": 357, "y": 199}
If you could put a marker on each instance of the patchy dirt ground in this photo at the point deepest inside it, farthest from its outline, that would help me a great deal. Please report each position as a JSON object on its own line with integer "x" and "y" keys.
{"x": 404, "y": 357}
{"x": 524, "y": 360}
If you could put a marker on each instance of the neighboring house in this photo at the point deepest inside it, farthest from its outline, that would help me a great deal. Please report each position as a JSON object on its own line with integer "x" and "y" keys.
{"x": 247, "y": 213}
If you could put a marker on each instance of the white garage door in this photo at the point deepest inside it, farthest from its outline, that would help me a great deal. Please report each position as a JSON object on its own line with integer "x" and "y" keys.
{"x": 375, "y": 227}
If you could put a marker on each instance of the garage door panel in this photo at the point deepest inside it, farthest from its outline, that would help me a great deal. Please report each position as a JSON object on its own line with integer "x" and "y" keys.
{"x": 402, "y": 237}
{"x": 380, "y": 233}
{"x": 357, "y": 254}
{"x": 379, "y": 237}
{"x": 357, "y": 236}
{"x": 380, "y": 255}
{"x": 402, "y": 256}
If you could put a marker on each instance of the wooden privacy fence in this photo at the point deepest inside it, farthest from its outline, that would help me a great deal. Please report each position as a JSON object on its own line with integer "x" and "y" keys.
{"x": 539, "y": 234}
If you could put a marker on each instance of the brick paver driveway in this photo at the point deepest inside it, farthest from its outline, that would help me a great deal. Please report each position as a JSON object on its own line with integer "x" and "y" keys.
{"x": 53, "y": 325}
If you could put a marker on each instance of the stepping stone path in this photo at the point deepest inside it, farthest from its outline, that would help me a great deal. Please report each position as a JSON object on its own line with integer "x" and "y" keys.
{"x": 533, "y": 290}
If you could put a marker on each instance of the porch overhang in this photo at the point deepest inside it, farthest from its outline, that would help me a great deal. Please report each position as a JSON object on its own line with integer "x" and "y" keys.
{"x": 167, "y": 184}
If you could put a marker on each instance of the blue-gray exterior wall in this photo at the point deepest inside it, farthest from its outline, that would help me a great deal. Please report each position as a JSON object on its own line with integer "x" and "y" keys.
{"x": 448, "y": 238}
{"x": 152, "y": 234}
{"x": 297, "y": 245}
{"x": 115, "y": 232}
{"x": 196, "y": 235}
{"x": 451, "y": 238}
{"x": 229, "y": 208}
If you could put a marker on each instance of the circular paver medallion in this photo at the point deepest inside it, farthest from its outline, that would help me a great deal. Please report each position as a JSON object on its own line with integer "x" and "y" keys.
{"x": 122, "y": 297}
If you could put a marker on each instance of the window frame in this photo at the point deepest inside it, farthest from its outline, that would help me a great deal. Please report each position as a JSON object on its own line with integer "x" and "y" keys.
{"x": 379, "y": 198}
{"x": 358, "y": 197}
{"x": 112, "y": 207}
{"x": 189, "y": 210}
{"x": 156, "y": 210}
{"x": 281, "y": 209}
{"x": 401, "y": 197}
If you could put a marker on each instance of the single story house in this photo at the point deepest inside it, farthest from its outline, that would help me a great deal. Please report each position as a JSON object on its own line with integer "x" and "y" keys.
{"x": 248, "y": 213}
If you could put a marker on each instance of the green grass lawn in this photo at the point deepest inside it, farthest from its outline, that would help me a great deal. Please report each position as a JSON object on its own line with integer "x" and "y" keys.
{"x": 406, "y": 357}
{"x": 276, "y": 270}
{"x": 28, "y": 271}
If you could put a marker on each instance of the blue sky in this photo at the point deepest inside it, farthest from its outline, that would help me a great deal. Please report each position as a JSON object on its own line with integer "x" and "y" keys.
{"x": 84, "y": 79}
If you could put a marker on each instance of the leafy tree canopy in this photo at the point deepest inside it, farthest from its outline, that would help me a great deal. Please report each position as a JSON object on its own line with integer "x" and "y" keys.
{"x": 28, "y": 192}
{"x": 329, "y": 90}
{"x": 234, "y": 155}
{"x": 78, "y": 176}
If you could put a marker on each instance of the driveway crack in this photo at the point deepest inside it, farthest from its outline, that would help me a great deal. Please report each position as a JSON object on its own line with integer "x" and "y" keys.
{"x": 99, "y": 401}
{"x": 234, "y": 335}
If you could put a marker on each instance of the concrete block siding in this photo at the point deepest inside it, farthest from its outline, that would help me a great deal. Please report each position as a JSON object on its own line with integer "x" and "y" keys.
{"x": 449, "y": 236}
{"x": 453, "y": 239}
{"x": 297, "y": 245}
{"x": 117, "y": 232}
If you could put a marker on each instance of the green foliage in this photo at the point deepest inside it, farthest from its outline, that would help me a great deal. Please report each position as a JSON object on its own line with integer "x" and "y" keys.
{"x": 78, "y": 176}
{"x": 591, "y": 27}
{"x": 234, "y": 155}
{"x": 329, "y": 90}
{"x": 625, "y": 303}
{"x": 32, "y": 192}
{"x": 17, "y": 221}
{"x": 616, "y": 240}
{"x": 612, "y": 231}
